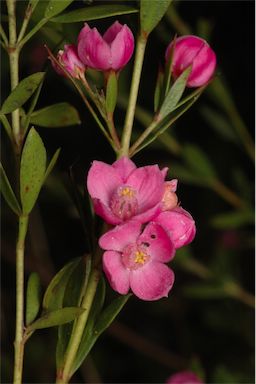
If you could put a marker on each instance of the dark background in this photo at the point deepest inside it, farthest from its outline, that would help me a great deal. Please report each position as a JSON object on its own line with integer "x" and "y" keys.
{"x": 210, "y": 333}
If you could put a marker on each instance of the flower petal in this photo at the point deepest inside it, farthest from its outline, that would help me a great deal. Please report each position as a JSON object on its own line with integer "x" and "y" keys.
{"x": 119, "y": 237}
{"x": 112, "y": 31}
{"x": 152, "y": 282}
{"x": 158, "y": 243}
{"x": 103, "y": 211}
{"x": 124, "y": 167}
{"x": 102, "y": 180}
{"x": 179, "y": 224}
{"x": 148, "y": 181}
{"x": 116, "y": 273}
{"x": 122, "y": 48}
{"x": 93, "y": 51}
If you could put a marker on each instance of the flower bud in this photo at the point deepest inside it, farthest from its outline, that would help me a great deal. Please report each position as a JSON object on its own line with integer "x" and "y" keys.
{"x": 113, "y": 50}
{"x": 192, "y": 50}
{"x": 70, "y": 61}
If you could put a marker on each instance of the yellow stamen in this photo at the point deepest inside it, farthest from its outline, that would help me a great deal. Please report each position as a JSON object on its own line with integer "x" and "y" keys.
{"x": 127, "y": 192}
{"x": 140, "y": 257}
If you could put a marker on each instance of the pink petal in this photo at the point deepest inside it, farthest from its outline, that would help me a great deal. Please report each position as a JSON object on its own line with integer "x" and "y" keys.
{"x": 149, "y": 214}
{"x": 103, "y": 211}
{"x": 83, "y": 32}
{"x": 124, "y": 167}
{"x": 93, "y": 51}
{"x": 158, "y": 243}
{"x": 112, "y": 31}
{"x": 117, "y": 275}
{"x": 122, "y": 48}
{"x": 152, "y": 281}
{"x": 179, "y": 224}
{"x": 102, "y": 180}
{"x": 119, "y": 237}
{"x": 203, "y": 67}
{"x": 184, "y": 377}
{"x": 148, "y": 181}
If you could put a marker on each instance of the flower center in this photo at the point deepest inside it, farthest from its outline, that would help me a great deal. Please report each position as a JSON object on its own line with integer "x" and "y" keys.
{"x": 134, "y": 257}
{"x": 124, "y": 203}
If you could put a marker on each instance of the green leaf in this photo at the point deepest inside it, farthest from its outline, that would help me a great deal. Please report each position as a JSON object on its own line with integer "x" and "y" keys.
{"x": 52, "y": 163}
{"x": 151, "y": 12}
{"x": 32, "y": 170}
{"x": 74, "y": 291}
{"x": 91, "y": 334}
{"x": 174, "y": 94}
{"x": 56, "y": 115}
{"x": 33, "y": 297}
{"x": 94, "y": 13}
{"x": 53, "y": 297}
{"x": 158, "y": 90}
{"x": 205, "y": 291}
{"x": 185, "y": 174}
{"x": 54, "y": 318}
{"x": 233, "y": 220}
{"x": 8, "y": 193}
{"x": 55, "y": 7}
{"x": 22, "y": 92}
{"x": 111, "y": 92}
{"x": 198, "y": 162}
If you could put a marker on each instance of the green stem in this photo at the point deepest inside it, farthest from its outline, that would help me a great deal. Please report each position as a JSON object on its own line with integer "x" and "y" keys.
{"x": 33, "y": 31}
{"x": 227, "y": 194}
{"x": 19, "y": 340}
{"x": 65, "y": 372}
{"x": 28, "y": 14}
{"x": 139, "y": 57}
{"x": 3, "y": 35}
{"x": 13, "y": 51}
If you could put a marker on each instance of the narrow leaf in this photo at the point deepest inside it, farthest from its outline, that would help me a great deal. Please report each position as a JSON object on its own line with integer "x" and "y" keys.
{"x": 56, "y": 115}
{"x": 32, "y": 170}
{"x": 198, "y": 162}
{"x": 94, "y": 13}
{"x": 158, "y": 90}
{"x": 55, "y": 7}
{"x": 111, "y": 92}
{"x": 33, "y": 298}
{"x": 232, "y": 220}
{"x": 91, "y": 335}
{"x": 174, "y": 94}
{"x": 151, "y": 12}
{"x": 53, "y": 297}
{"x": 52, "y": 163}
{"x": 8, "y": 193}
{"x": 7, "y": 127}
{"x": 22, "y": 92}
{"x": 54, "y": 318}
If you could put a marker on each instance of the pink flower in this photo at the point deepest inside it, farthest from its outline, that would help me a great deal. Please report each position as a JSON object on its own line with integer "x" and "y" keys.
{"x": 135, "y": 260}
{"x": 113, "y": 50}
{"x": 179, "y": 224}
{"x": 70, "y": 61}
{"x": 196, "y": 51}
{"x": 184, "y": 377}
{"x": 122, "y": 191}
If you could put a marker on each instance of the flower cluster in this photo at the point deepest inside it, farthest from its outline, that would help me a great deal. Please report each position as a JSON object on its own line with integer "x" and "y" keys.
{"x": 112, "y": 51}
{"x": 149, "y": 226}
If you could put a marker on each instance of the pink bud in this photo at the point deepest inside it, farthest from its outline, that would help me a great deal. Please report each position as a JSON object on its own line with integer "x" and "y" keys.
{"x": 184, "y": 377}
{"x": 196, "y": 51}
{"x": 70, "y": 61}
{"x": 113, "y": 50}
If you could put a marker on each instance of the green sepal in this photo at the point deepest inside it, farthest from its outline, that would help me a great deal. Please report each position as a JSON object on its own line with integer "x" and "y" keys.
{"x": 111, "y": 92}
{"x": 32, "y": 170}
{"x": 56, "y": 115}
{"x": 33, "y": 298}
{"x": 8, "y": 193}
{"x": 54, "y": 318}
{"x": 94, "y": 13}
{"x": 22, "y": 92}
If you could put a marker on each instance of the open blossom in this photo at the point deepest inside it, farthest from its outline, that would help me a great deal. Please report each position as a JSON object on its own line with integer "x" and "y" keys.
{"x": 184, "y": 377}
{"x": 70, "y": 61}
{"x": 122, "y": 191}
{"x": 113, "y": 50}
{"x": 135, "y": 260}
{"x": 192, "y": 50}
